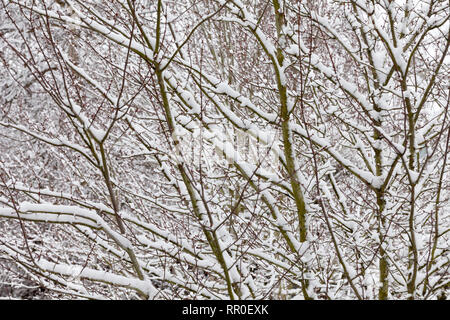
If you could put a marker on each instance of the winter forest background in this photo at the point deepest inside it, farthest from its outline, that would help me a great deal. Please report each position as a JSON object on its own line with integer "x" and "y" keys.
{"x": 224, "y": 149}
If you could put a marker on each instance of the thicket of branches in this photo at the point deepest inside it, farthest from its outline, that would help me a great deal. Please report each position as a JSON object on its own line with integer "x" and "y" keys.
{"x": 225, "y": 149}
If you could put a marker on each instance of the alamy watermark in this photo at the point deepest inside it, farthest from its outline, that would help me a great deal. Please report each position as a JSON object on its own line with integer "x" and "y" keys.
{"x": 251, "y": 149}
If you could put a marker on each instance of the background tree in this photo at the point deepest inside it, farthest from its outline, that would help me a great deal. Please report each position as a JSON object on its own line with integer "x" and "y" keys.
{"x": 225, "y": 149}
